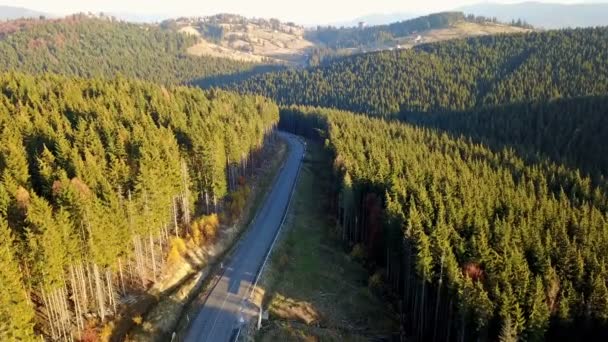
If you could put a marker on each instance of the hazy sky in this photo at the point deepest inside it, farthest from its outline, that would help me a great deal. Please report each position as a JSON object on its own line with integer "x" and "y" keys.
{"x": 300, "y": 11}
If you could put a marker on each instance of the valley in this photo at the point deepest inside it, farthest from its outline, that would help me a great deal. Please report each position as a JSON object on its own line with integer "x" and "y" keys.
{"x": 234, "y": 177}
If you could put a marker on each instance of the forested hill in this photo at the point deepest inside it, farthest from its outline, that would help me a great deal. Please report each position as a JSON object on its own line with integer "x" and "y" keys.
{"x": 95, "y": 177}
{"x": 570, "y": 131}
{"x": 368, "y": 36}
{"x": 374, "y": 36}
{"x": 87, "y": 47}
{"x": 452, "y": 75}
{"x": 475, "y": 244}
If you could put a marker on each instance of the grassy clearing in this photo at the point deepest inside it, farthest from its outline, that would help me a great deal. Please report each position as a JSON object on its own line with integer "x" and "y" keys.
{"x": 313, "y": 290}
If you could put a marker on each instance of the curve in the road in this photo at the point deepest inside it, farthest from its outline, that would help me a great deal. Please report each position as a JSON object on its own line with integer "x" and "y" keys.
{"x": 226, "y": 307}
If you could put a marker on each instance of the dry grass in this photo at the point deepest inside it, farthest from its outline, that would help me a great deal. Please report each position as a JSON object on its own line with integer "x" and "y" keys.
{"x": 313, "y": 289}
{"x": 253, "y": 43}
{"x": 466, "y": 29}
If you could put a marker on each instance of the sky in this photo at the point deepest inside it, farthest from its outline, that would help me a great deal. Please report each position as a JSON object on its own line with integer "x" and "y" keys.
{"x": 299, "y": 11}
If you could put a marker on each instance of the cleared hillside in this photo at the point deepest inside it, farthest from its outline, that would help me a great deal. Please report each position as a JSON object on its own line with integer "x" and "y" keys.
{"x": 240, "y": 38}
{"x": 272, "y": 41}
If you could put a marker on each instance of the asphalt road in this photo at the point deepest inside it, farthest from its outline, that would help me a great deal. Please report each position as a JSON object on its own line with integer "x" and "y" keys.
{"x": 227, "y": 308}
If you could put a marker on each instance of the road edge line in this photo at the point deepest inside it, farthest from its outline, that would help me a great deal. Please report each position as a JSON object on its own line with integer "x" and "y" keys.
{"x": 276, "y": 236}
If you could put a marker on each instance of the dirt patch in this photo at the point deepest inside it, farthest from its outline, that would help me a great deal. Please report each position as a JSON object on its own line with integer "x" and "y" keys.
{"x": 295, "y": 310}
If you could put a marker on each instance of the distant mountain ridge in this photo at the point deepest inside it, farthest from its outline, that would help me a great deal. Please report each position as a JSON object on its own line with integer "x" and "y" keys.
{"x": 545, "y": 15}
{"x": 11, "y": 12}
{"x": 377, "y": 19}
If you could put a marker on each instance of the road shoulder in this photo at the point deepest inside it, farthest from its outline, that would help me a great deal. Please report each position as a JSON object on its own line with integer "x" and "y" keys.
{"x": 311, "y": 288}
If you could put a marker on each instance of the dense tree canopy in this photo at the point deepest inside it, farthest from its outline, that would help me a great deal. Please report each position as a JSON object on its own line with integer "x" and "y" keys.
{"x": 89, "y": 47}
{"x": 94, "y": 176}
{"x": 479, "y": 244}
{"x": 569, "y": 131}
{"x": 455, "y": 75}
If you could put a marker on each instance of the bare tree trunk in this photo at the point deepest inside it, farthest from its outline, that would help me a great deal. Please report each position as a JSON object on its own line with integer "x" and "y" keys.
{"x": 122, "y": 279}
{"x": 55, "y": 320}
{"x": 152, "y": 258}
{"x": 49, "y": 314}
{"x": 63, "y": 309}
{"x": 175, "y": 218}
{"x": 111, "y": 298}
{"x": 99, "y": 291}
{"x": 77, "y": 299}
{"x": 139, "y": 260}
{"x": 90, "y": 282}
{"x": 185, "y": 194}
{"x": 207, "y": 201}
{"x": 83, "y": 288}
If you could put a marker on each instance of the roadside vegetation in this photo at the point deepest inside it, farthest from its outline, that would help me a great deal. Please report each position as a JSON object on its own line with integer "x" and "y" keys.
{"x": 104, "y": 185}
{"x": 314, "y": 290}
{"x": 173, "y": 310}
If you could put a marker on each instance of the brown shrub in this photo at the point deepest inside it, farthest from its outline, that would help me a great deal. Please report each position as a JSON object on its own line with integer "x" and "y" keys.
{"x": 473, "y": 270}
{"x": 22, "y": 197}
{"x": 81, "y": 187}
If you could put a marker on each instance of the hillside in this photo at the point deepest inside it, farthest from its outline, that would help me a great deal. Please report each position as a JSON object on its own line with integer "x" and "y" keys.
{"x": 110, "y": 183}
{"x": 472, "y": 242}
{"x": 271, "y": 41}
{"x": 545, "y": 15}
{"x": 568, "y": 131}
{"x": 452, "y": 75}
{"x": 408, "y": 32}
{"x": 236, "y": 37}
{"x": 87, "y": 46}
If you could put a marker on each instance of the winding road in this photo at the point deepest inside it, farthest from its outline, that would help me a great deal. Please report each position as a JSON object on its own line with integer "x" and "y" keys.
{"x": 227, "y": 307}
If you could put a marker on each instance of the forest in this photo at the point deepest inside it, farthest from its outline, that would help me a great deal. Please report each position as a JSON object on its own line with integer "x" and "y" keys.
{"x": 103, "y": 182}
{"x": 101, "y": 47}
{"x": 470, "y": 175}
{"x": 473, "y": 243}
{"x": 456, "y": 75}
{"x": 569, "y": 131}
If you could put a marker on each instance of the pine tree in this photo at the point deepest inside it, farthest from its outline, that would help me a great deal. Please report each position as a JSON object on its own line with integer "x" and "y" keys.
{"x": 598, "y": 301}
{"x": 538, "y": 320}
{"x": 16, "y": 312}
{"x": 507, "y": 332}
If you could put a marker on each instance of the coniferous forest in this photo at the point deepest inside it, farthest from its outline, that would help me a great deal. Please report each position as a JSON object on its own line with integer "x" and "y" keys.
{"x": 94, "y": 47}
{"x": 471, "y": 174}
{"x": 97, "y": 177}
{"x": 450, "y": 76}
{"x": 476, "y": 244}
